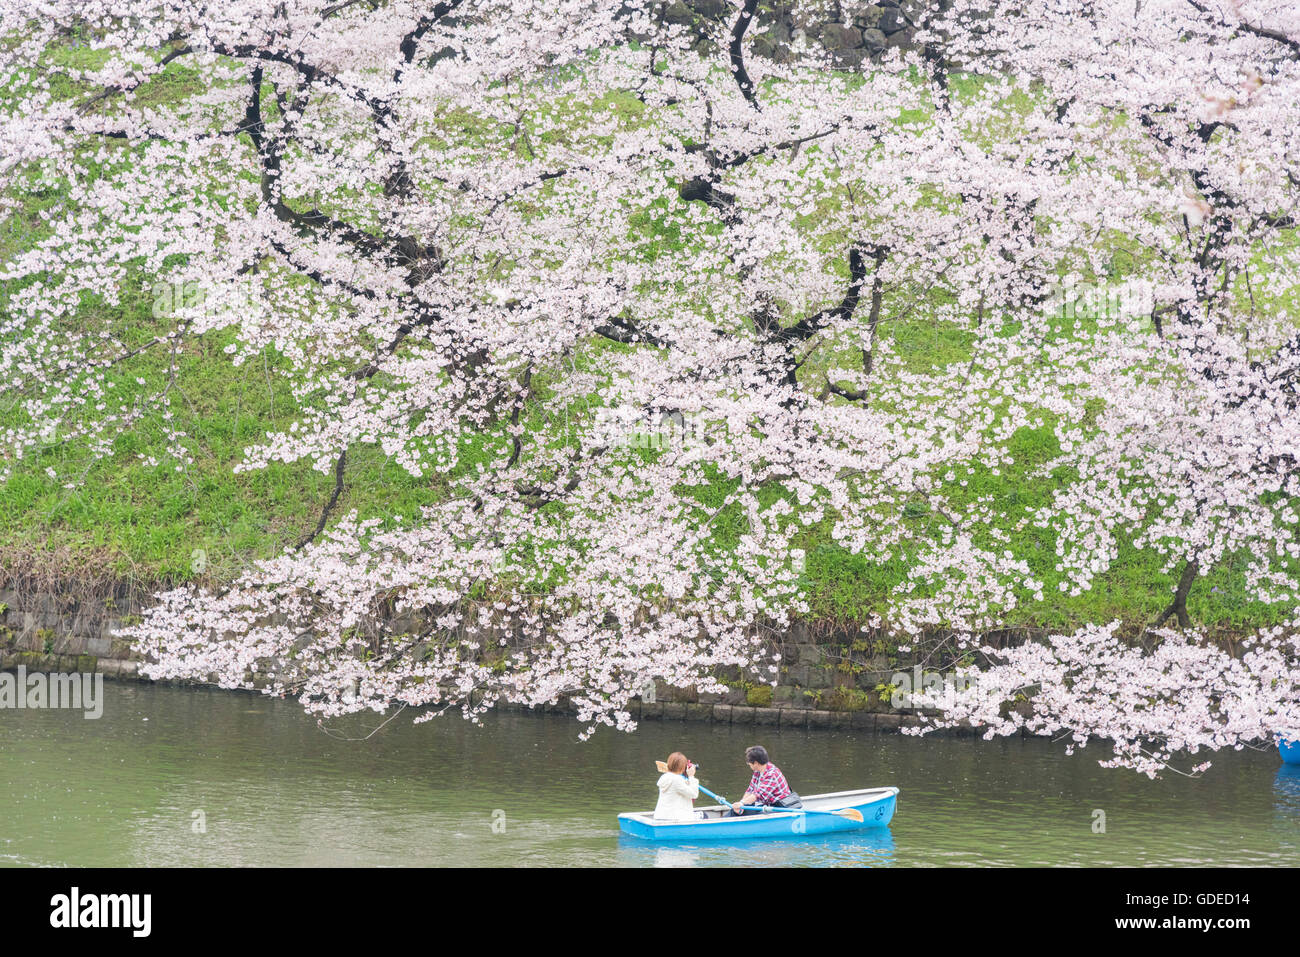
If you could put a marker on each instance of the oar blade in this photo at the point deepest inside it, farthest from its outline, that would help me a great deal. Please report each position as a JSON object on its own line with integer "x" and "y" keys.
{"x": 852, "y": 813}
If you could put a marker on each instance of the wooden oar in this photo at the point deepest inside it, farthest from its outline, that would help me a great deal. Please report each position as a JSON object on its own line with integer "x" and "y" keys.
{"x": 852, "y": 813}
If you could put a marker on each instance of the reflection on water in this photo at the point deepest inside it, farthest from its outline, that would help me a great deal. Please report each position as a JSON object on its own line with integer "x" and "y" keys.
{"x": 270, "y": 788}
{"x": 869, "y": 848}
{"x": 1287, "y": 788}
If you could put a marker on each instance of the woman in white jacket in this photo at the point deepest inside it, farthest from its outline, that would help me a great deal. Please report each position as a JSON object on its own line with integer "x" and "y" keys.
{"x": 677, "y": 790}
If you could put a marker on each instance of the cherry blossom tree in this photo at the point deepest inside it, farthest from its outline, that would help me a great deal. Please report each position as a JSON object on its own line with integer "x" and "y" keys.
{"x": 1191, "y": 448}
{"x": 607, "y": 283}
{"x": 1198, "y": 437}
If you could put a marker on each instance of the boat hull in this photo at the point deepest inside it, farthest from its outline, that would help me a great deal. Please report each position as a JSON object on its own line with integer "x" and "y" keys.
{"x": 876, "y": 805}
{"x": 1290, "y": 750}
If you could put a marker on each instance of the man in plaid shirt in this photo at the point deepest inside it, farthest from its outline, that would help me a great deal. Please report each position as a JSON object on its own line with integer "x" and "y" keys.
{"x": 768, "y": 784}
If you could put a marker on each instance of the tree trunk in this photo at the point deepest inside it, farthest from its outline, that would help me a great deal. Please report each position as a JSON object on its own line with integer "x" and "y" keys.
{"x": 1179, "y": 605}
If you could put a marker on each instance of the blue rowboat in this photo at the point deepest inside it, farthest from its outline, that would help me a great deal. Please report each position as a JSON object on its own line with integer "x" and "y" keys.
{"x": 1290, "y": 751}
{"x": 876, "y": 805}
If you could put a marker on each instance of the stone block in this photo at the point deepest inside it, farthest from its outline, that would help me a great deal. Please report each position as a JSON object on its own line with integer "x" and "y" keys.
{"x": 699, "y": 712}
{"x": 674, "y": 711}
{"x": 686, "y": 695}
{"x": 838, "y": 36}
{"x": 767, "y": 717}
{"x": 905, "y": 41}
{"x": 843, "y": 679}
{"x": 722, "y": 713}
{"x": 712, "y": 9}
{"x": 869, "y": 17}
{"x": 819, "y": 719}
{"x": 862, "y": 721}
{"x": 888, "y": 722}
{"x": 912, "y": 9}
{"x": 850, "y": 59}
{"x": 678, "y": 12}
{"x": 69, "y": 644}
{"x": 892, "y": 21}
{"x": 794, "y": 718}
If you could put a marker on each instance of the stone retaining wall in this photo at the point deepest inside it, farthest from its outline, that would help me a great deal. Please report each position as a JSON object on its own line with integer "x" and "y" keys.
{"x": 783, "y": 719}
{"x": 831, "y": 681}
{"x": 50, "y": 632}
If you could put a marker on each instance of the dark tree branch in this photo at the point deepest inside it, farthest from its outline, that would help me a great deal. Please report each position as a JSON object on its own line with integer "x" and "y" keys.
{"x": 1264, "y": 32}
{"x": 108, "y": 91}
{"x": 619, "y": 329}
{"x": 741, "y": 158}
{"x": 339, "y": 465}
{"x": 411, "y": 42}
{"x": 517, "y": 446}
{"x": 737, "y": 54}
{"x": 808, "y": 326}
{"x": 1179, "y": 605}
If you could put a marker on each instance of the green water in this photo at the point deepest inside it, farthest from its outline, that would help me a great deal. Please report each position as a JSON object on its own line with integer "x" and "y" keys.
{"x": 273, "y": 788}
